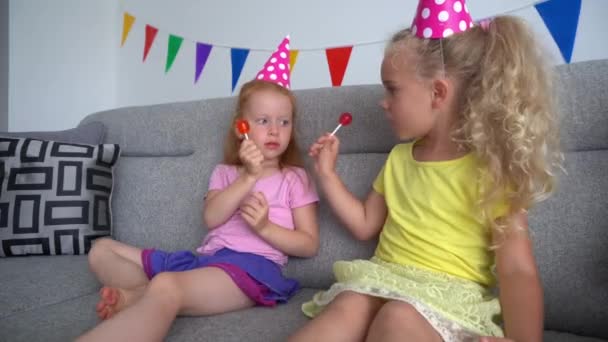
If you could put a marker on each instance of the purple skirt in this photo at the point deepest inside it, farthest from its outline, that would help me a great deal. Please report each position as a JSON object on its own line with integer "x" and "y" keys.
{"x": 259, "y": 278}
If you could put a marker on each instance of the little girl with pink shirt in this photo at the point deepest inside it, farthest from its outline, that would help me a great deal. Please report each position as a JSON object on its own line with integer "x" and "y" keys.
{"x": 260, "y": 208}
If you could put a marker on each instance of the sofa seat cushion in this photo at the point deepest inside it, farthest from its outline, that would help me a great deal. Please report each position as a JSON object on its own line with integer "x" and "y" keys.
{"x": 32, "y": 282}
{"x": 555, "y": 336}
{"x": 63, "y": 321}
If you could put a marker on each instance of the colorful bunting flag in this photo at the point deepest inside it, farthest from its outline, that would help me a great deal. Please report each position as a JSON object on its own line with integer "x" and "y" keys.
{"x": 561, "y": 18}
{"x": 151, "y": 32}
{"x": 237, "y": 58}
{"x": 337, "y": 59}
{"x": 202, "y": 54}
{"x": 127, "y": 24}
{"x": 175, "y": 42}
{"x": 293, "y": 57}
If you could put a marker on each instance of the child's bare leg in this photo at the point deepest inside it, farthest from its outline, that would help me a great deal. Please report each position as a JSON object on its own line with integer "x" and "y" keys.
{"x": 204, "y": 291}
{"x": 346, "y": 318}
{"x": 116, "y": 264}
{"x": 398, "y": 321}
{"x": 113, "y": 300}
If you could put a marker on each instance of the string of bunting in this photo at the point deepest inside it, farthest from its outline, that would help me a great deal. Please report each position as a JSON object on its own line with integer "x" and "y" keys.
{"x": 560, "y": 16}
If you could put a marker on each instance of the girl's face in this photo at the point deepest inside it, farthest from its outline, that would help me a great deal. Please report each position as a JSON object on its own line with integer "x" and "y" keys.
{"x": 407, "y": 100}
{"x": 270, "y": 116}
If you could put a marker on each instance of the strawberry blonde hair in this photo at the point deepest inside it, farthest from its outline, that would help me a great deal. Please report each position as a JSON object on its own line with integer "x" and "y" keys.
{"x": 291, "y": 156}
{"x": 506, "y": 110}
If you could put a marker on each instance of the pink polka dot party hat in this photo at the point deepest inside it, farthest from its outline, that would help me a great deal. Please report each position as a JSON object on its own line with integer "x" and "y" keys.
{"x": 277, "y": 68}
{"x": 441, "y": 18}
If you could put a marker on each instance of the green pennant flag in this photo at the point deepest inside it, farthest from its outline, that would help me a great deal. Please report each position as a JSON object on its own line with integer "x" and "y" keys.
{"x": 175, "y": 42}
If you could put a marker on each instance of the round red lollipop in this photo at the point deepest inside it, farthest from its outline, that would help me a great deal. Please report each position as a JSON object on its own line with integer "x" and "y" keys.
{"x": 345, "y": 120}
{"x": 243, "y": 127}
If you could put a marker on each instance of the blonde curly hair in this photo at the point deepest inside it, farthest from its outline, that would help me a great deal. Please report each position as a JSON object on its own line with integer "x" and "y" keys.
{"x": 507, "y": 116}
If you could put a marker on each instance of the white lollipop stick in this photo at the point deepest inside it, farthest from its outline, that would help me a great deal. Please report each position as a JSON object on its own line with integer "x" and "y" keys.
{"x": 336, "y": 130}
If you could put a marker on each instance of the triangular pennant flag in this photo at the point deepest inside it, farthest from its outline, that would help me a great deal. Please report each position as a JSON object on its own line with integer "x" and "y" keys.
{"x": 337, "y": 59}
{"x": 175, "y": 42}
{"x": 127, "y": 24}
{"x": 293, "y": 57}
{"x": 202, "y": 53}
{"x": 237, "y": 58}
{"x": 151, "y": 32}
{"x": 561, "y": 18}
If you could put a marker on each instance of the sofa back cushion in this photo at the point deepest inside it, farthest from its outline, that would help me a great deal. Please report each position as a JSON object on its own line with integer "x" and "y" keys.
{"x": 570, "y": 230}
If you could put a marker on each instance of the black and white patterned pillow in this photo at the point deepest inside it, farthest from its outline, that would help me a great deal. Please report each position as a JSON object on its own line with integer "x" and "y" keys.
{"x": 54, "y": 196}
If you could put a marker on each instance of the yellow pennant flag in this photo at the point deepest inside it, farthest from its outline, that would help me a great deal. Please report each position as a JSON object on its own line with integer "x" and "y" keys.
{"x": 127, "y": 23}
{"x": 293, "y": 57}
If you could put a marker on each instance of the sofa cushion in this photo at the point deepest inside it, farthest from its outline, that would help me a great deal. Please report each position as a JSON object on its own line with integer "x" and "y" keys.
{"x": 32, "y": 282}
{"x": 555, "y": 336}
{"x": 357, "y": 170}
{"x": 582, "y": 97}
{"x": 178, "y": 129}
{"x": 160, "y": 207}
{"x": 570, "y": 233}
{"x": 66, "y": 320}
{"x": 55, "y": 196}
{"x": 175, "y": 128}
{"x": 91, "y": 133}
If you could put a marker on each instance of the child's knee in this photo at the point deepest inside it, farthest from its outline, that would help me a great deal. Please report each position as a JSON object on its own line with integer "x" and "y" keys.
{"x": 166, "y": 285}
{"x": 100, "y": 248}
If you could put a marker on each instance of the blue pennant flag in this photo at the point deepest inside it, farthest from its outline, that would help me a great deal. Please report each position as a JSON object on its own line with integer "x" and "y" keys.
{"x": 238, "y": 58}
{"x": 561, "y": 18}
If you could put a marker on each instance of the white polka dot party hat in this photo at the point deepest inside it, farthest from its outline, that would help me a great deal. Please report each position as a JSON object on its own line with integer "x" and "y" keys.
{"x": 277, "y": 69}
{"x": 441, "y": 18}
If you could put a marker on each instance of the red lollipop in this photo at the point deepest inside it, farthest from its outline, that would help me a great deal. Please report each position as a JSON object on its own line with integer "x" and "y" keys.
{"x": 345, "y": 120}
{"x": 243, "y": 127}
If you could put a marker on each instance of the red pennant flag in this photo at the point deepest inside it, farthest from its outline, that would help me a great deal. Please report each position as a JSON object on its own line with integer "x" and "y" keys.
{"x": 337, "y": 59}
{"x": 151, "y": 32}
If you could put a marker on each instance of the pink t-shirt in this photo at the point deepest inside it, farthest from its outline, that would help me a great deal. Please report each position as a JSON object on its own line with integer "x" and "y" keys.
{"x": 284, "y": 191}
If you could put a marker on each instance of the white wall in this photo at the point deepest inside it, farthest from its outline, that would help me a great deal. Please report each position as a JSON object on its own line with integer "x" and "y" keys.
{"x": 3, "y": 65}
{"x": 62, "y": 61}
{"x": 238, "y": 23}
{"x": 89, "y": 71}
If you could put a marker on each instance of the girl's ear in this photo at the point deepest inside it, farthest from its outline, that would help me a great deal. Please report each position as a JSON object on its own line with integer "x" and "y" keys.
{"x": 440, "y": 89}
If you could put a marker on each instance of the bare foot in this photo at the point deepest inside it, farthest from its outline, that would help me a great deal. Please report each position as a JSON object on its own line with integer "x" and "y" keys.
{"x": 112, "y": 300}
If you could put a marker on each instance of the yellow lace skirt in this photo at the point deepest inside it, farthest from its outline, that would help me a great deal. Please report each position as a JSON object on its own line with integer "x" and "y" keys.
{"x": 459, "y": 309}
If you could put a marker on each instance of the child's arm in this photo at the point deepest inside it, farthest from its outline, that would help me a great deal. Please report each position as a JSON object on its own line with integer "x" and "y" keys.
{"x": 303, "y": 241}
{"x": 521, "y": 294}
{"x": 363, "y": 219}
{"x": 220, "y": 205}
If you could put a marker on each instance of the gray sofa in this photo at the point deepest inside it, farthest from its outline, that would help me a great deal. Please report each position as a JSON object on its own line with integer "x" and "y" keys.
{"x": 161, "y": 178}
